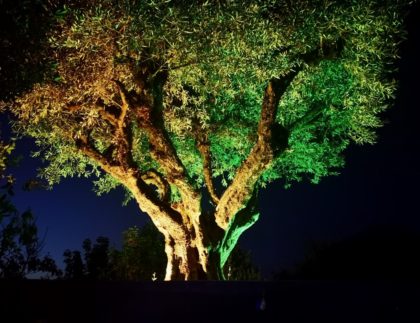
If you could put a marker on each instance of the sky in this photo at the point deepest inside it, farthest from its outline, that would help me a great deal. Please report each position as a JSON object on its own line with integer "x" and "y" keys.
{"x": 378, "y": 186}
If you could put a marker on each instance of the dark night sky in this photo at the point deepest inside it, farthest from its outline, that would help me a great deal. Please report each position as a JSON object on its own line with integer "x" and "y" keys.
{"x": 379, "y": 186}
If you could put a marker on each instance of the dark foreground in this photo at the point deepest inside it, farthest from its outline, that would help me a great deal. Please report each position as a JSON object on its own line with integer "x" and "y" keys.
{"x": 285, "y": 301}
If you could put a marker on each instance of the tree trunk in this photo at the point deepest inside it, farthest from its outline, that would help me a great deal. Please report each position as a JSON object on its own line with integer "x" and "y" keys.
{"x": 189, "y": 259}
{"x": 184, "y": 263}
{"x": 183, "y": 260}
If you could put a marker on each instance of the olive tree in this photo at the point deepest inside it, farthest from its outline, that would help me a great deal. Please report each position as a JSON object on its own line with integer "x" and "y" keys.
{"x": 194, "y": 106}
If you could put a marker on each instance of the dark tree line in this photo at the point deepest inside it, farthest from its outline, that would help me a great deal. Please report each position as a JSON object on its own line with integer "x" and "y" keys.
{"x": 141, "y": 255}
{"x": 20, "y": 244}
{"x": 379, "y": 253}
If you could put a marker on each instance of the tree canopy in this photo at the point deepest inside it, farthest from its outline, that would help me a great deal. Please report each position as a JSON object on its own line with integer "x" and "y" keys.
{"x": 173, "y": 95}
{"x": 218, "y": 59}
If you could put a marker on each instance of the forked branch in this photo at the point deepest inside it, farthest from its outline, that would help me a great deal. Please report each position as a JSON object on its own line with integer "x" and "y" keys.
{"x": 149, "y": 118}
{"x": 84, "y": 144}
{"x": 262, "y": 154}
{"x": 160, "y": 212}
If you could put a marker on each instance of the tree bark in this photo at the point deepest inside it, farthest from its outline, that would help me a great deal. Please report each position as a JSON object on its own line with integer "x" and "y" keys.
{"x": 185, "y": 263}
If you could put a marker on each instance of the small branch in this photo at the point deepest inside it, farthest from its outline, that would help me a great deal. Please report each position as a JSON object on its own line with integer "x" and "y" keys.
{"x": 125, "y": 103}
{"x": 204, "y": 149}
{"x": 106, "y": 112}
{"x": 309, "y": 117}
{"x": 122, "y": 133}
{"x": 123, "y": 91}
{"x": 84, "y": 145}
{"x": 108, "y": 117}
{"x": 194, "y": 62}
{"x": 73, "y": 107}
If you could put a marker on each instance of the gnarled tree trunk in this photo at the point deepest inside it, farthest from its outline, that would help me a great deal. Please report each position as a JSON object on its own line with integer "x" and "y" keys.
{"x": 197, "y": 244}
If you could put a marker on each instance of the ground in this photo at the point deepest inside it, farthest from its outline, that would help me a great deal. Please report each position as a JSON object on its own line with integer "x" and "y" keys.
{"x": 286, "y": 301}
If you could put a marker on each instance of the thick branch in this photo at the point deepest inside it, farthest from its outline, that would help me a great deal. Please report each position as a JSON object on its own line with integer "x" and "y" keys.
{"x": 120, "y": 166}
{"x": 160, "y": 212}
{"x": 125, "y": 104}
{"x": 240, "y": 190}
{"x": 108, "y": 117}
{"x": 267, "y": 146}
{"x": 165, "y": 155}
{"x": 108, "y": 113}
{"x": 122, "y": 136}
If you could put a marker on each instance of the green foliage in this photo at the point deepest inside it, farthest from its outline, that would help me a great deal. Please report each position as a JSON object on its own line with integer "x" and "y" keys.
{"x": 105, "y": 184}
{"x": 219, "y": 56}
{"x": 63, "y": 162}
{"x": 5, "y": 151}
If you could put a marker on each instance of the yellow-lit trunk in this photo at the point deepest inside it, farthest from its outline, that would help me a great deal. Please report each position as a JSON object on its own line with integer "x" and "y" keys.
{"x": 189, "y": 259}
